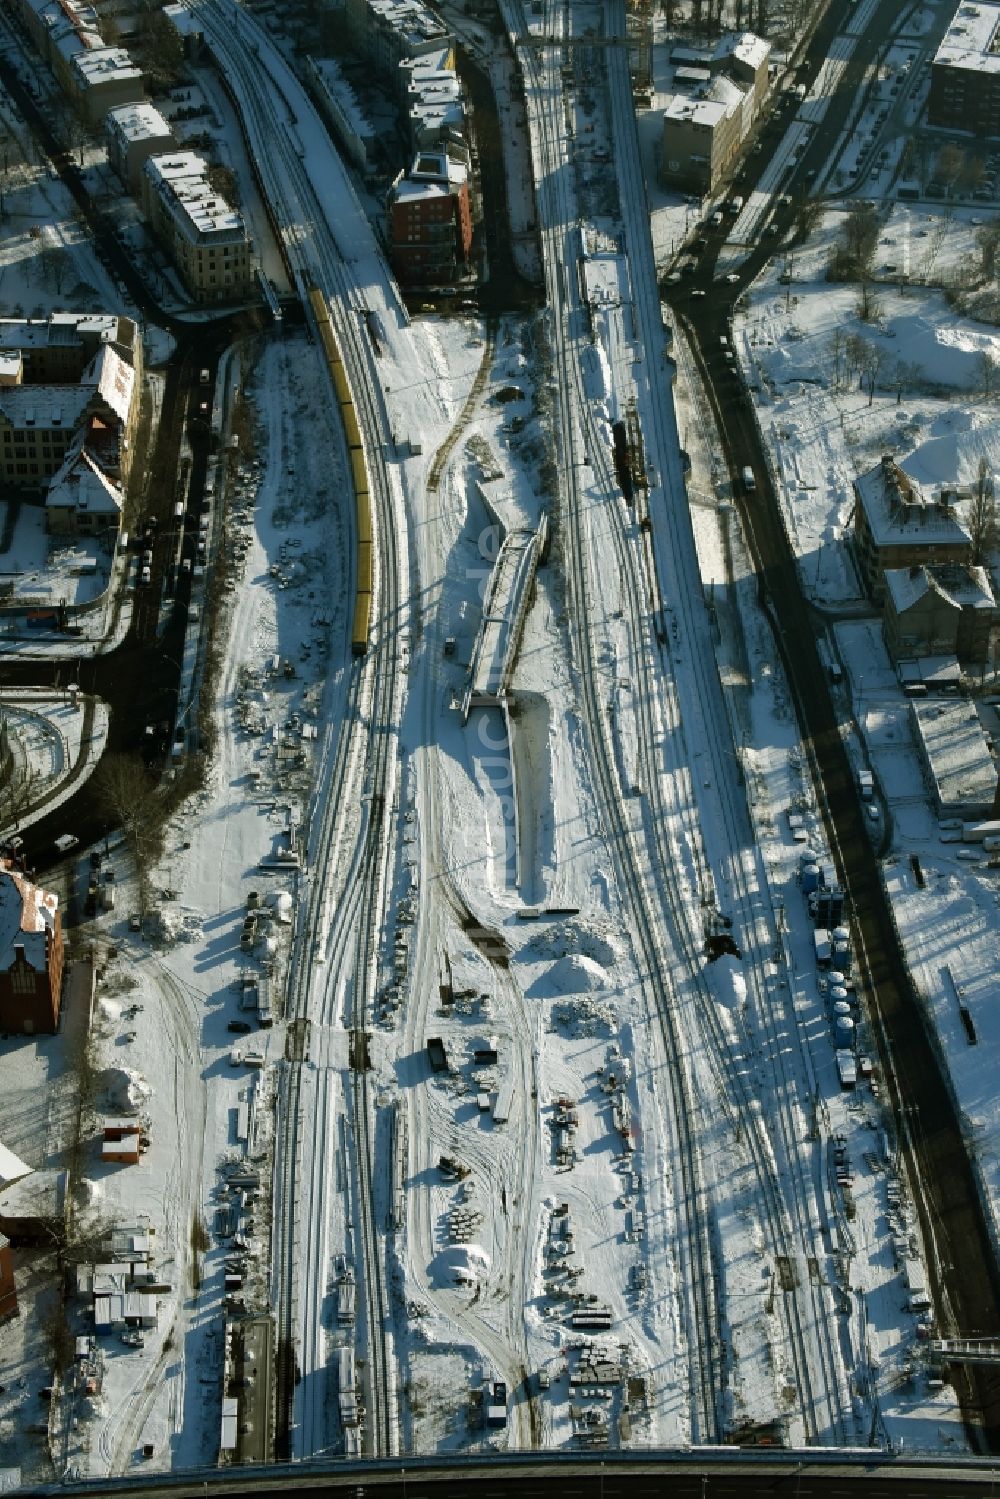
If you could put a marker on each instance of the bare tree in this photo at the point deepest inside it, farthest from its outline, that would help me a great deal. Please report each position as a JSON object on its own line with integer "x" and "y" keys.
{"x": 126, "y": 793}
{"x": 837, "y": 350}
{"x": 871, "y": 364}
{"x": 854, "y": 354}
{"x": 853, "y": 255}
{"x": 869, "y": 307}
{"x": 988, "y": 242}
{"x": 981, "y": 520}
{"x": 988, "y": 372}
{"x": 950, "y": 164}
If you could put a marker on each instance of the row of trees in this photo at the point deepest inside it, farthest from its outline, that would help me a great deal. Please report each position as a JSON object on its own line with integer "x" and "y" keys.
{"x": 710, "y": 15}
{"x": 855, "y": 357}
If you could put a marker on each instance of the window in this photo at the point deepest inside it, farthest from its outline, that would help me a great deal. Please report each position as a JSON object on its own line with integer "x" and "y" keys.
{"x": 22, "y": 979}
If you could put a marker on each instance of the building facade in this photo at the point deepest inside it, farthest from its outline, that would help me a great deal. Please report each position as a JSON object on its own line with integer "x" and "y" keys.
{"x": 965, "y": 73}
{"x": 8, "y": 1290}
{"x": 897, "y": 526}
{"x": 31, "y": 956}
{"x": 94, "y": 76}
{"x": 939, "y": 611}
{"x": 430, "y": 220}
{"x": 134, "y": 133}
{"x": 718, "y": 96}
{"x": 206, "y": 237}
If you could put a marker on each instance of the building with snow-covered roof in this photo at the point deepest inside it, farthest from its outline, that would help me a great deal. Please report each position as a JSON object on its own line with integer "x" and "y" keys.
{"x": 339, "y": 105}
{"x": 134, "y": 133}
{"x": 31, "y": 955}
{"x": 430, "y": 220}
{"x": 41, "y": 423}
{"x": 387, "y": 31}
{"x": 38, "y": 425}
{"x": 95, "y": 76}
{"x": 33, "y": 1209}
{"x": 897, "y": 526}
{"x": 206, "y": 235}
{"x": 939, "y": 610}
{"x": 56, "y": 349}
{"x": 82, "y": 500}
{"x": 965, "y": 72}
{"x": 718, "y": 95}
{"x": 745, "y": 57}
{"x": 956, "y": 757}
{"x": 701, "y": 136}
{"x": 435, "y": 103}
{"x": 102, "y": 78}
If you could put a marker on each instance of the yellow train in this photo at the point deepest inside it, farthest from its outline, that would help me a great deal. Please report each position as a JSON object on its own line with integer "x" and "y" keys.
{"x": 361, "y": 624}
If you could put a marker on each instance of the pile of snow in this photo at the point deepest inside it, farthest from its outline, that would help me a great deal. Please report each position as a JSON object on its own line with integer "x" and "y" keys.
{"x": 107, "y": 1014}
{"x": 126, "y": 1090}
{"x": 578, "y": 936}
{"x": 585, "y": 1016}
{"x": 460, "y": 1264}
{"x": 948, "y": 354}
{"x": 88, "y": 1192}
{"x": 729, "y": 982}
{"x": 576, "y": 974}
{"x": 280, "y": 902}
{"x": 170, "y": 924}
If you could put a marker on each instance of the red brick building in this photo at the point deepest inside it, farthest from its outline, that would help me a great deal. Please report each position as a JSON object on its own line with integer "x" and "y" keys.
{"x": 8, "y": 1291}
{"x": 31, "y": 956}
{"x": 430, "y": 220}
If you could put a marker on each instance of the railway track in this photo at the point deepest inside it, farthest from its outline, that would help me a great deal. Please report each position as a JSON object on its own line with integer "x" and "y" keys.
{"x": 776, "y": 1159}
{"x": 702, "y": 1312}
{"x": 362, "y": 767}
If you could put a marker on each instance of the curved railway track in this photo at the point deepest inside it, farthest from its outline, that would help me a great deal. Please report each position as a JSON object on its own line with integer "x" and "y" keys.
{"x": 360, "y": 769}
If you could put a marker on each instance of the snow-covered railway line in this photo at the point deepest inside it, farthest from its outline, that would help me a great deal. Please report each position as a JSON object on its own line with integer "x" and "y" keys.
{"x": 321, "y": 260}
{"x": 696, "y": 1248}
{"x": 748, "y": 882}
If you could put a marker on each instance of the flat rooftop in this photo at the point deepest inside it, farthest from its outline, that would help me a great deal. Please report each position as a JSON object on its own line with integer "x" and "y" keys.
{"x": 972, "y": 41}
{"x": 957, "y": 754}
{"x": 138, "y": 122}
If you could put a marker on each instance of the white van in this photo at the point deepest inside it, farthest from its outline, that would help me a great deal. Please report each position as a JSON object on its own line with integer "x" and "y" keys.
{"x": 749, "y": 482}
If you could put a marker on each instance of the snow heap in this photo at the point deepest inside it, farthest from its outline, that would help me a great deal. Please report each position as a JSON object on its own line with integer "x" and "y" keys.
{"x": 576, "y": 974}
{"x": 460, "y": 1264}
{"x": 729, "y": 982}
{"x": 948, "y": 353}
{"x": 126, "y": 1090}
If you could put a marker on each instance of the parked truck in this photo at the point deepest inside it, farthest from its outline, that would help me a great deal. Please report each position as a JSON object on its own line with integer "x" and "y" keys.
{"x": 866, "y": 785}
{"x": 437, "y": 1054}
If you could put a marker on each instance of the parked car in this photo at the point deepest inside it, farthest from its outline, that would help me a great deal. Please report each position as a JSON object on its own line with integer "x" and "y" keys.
{"x": 240, "y": 1027}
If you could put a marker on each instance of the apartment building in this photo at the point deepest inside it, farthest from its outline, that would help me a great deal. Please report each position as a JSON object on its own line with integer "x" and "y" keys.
{"x": 965, "y": 73}
{"x": 206, "y": 237}
{"x": 31, "y": 955}
{"x": 430, "y": 220}
{"x": 717, "y": 97}
{"x": 94, "y": 76}
{"x": 897, "y": 526}
{"x": 50, "y": 405}
{"x": 390, "y": 31}
{"x": 134, "y": 133}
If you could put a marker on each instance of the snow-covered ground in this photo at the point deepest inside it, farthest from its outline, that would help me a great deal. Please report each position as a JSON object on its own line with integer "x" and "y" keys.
{"x": 577, "y": 1190}
{"x": 931, "y": 411}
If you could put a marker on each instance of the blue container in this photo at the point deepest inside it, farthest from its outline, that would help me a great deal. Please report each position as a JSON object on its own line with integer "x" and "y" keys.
{"x": 841, "y": 954}
{"x": 810, "y": 878}
{"x": 844, "y": 1030}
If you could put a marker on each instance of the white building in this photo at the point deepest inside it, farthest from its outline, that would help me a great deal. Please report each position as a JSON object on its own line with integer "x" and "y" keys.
{"x": 134, "y": 133}
{"x": 206, "y": 235}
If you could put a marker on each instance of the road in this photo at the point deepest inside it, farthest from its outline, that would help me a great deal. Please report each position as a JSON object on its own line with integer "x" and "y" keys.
{"x": 952, "y": 1219}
